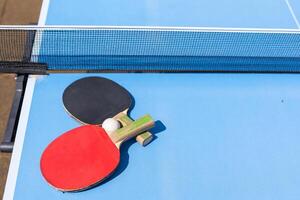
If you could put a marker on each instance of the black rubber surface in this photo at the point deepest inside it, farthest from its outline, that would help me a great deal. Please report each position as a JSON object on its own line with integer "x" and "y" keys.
{"x": 91, "y": 100}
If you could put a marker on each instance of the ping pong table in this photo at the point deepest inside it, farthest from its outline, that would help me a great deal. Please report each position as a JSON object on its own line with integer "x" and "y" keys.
{"x": 223, "y": 135}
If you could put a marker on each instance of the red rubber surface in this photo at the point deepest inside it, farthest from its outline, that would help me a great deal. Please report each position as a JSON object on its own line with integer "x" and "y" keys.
{"x": 79, "y": 158}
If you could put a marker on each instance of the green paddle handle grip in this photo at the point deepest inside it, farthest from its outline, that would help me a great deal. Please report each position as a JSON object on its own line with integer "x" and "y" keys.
{"x": 143, "y": 138}
{"x": 136, "y": 127}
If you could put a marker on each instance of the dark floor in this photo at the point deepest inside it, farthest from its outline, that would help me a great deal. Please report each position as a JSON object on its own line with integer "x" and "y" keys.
{"x": 12, "y": 12}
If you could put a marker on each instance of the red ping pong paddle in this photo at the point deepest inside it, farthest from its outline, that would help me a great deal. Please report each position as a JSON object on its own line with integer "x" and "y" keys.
{"x": 85, "y": 156}
{"x": 91, "y": 100}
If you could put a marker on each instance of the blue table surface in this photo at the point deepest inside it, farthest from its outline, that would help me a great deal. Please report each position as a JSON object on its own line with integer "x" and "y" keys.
{"x": 224, "y": 136}
{"x": 190, "y": 13}
{"x": 220, "y": 136}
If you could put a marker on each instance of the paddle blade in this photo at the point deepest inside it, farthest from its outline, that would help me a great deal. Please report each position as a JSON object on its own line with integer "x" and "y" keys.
{"x": 91, "y": 100}
{"x": 79, "y": 159}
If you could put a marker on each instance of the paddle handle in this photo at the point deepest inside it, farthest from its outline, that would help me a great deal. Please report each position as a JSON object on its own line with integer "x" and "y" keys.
{"x": 133, "y": 129}
{"x": 124, "y": 119}
{"x": 143, "y": 138}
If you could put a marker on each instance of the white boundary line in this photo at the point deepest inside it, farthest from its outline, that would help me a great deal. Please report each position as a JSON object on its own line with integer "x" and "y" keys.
{"x": 22, "y": 126}
{"x": 44, "y": 12}
{"x": 18, "y": 145}
{"x": 38, "y": 37}
{"x": 292, "y": 13}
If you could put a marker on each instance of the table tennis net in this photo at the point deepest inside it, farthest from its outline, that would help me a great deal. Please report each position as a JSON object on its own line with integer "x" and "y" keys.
{"x": 152, "y": 49}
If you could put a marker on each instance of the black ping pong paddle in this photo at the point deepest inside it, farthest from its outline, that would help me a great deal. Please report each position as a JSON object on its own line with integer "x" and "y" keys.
{"x": 91, "y": 100}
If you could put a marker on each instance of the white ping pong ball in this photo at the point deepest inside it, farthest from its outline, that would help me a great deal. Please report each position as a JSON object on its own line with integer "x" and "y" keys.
{"x": 110, "y": 125}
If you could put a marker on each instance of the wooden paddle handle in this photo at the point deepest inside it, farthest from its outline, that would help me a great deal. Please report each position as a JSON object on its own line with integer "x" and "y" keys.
{"x": 136, "y": 127}
{"x": 143, "y": 138}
